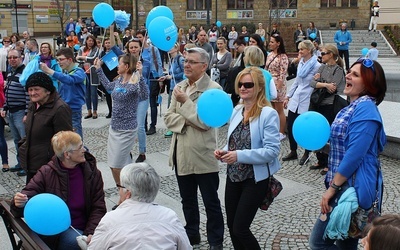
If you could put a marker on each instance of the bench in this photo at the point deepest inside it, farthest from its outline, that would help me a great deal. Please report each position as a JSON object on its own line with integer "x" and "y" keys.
{"x": 16, "y": 226}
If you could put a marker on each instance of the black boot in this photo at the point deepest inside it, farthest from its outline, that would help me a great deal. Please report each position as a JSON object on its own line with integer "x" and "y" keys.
{"x": 291, "y": 156}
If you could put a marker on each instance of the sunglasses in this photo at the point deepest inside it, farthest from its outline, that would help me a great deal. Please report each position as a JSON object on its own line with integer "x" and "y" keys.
{"x": 247, "y": 85}
{"x": 368, "y": 63}
{"x": 6, "y": 41}
{"x": 325, "y": 53}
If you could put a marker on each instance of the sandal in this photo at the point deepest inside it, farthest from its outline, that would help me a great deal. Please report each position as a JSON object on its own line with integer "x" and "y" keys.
{"x": 5, "y": 170}
{"x": 88, "y": 116}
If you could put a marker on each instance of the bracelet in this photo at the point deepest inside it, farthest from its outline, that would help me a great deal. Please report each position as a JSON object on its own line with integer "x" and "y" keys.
{"x": 336, "y": 187}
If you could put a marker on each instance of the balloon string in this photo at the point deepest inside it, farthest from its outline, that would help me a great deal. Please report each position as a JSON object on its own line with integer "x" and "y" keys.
{"x": 75, "y": 230}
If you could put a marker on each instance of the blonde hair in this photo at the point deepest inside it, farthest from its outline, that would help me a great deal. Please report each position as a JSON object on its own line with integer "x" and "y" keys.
{"x": 259, "y": 88}
{"x": 253, "y": 56}
{"x": 307, "y": 44}
{"x": 331, "y": 48}
{"x": 65, "y": 141}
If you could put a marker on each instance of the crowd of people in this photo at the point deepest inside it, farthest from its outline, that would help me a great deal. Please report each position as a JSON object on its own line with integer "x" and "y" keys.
{"x": 45, "y": 91}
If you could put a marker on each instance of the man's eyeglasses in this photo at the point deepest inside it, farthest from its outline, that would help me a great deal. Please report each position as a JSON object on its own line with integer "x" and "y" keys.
{"x": 368, "y": 63}
{"x": 60, "y": 59}
{"x": 325, "y": 53}
{"x": 190, "y": 62}
{"x": 247, "y": 85}
{"x": 12, "y": 57}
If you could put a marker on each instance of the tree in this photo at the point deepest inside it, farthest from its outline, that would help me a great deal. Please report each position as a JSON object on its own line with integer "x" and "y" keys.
{"x": 64, "y": 10}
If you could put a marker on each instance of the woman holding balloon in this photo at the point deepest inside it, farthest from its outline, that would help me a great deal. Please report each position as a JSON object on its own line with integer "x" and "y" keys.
{"x": 73, "y": 176}
{"x": 357, "y": 138}
{"x": 297, "y": 100}
{"x": 253, "y": 147}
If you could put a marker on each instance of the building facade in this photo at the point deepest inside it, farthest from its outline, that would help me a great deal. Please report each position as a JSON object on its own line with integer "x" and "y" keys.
{"x": 41, "y": 17}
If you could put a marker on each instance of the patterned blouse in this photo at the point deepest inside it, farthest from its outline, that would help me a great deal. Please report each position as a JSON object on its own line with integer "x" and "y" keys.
{"x": 240, "y": 139}
{"x": 277, "y": 66}
{"x": 125, "y": 97}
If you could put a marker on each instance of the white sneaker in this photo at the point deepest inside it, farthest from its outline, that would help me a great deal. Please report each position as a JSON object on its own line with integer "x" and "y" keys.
{"x": 282, "y": 136}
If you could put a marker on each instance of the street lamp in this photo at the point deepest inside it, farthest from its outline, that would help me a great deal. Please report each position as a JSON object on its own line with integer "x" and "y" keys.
{"x": 16, "y": 15}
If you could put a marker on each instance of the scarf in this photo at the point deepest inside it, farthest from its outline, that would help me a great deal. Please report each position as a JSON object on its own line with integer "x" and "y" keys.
{"x": 339, "y": 221}
{"x": 46, "y": 60}
{"x": 305, "y": 68}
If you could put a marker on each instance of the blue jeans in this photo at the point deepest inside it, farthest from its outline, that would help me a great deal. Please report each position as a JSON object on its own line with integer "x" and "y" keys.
{"x": 77, "y": 122}
{"x": 141, "y": 120}
{"x": 17, "y": 127}
{"x": 3, "y": 143}
{"x": 316, "y": 240}
{"x": 68, "y": 239}
{"x": 91, "y": 96}
{"x": 208, "y": 184}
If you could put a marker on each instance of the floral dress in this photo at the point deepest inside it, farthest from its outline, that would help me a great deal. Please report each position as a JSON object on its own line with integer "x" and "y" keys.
{"x": 277, "y": 65}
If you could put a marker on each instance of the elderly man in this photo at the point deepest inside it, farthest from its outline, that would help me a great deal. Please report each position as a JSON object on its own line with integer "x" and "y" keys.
{"x": 16, "y": 105}
{"x": 138, "y": 223}
{"x": 191, "y": 152}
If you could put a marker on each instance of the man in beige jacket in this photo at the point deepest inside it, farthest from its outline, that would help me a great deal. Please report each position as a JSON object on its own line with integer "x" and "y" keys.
{"x": 191, "y": 152}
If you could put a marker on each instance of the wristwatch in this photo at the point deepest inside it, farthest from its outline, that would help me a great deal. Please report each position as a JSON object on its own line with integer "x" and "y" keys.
{"x": 336, "y": 187}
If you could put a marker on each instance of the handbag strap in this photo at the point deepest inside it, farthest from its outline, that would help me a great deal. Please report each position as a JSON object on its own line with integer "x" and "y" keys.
{"x": 267, "y": 67}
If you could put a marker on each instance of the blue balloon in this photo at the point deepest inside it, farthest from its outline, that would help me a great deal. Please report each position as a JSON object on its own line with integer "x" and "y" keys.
{"x": 311, "y": 130}
{"x": 218, "y": 23}
{"x": 47, "y": 214}
{"x": 159, "y": 11}
{"x": 163, "y": 33}
{"x": 364, "y": 51}
{"x": 313, "y": 35}
{"x": 103, "y": 15}
{"x": 263, "y": 38}
{"x": 1, "y": 45}
{"x": 214, "y": 108}
{"x": 77, "y": 46}
{"x": 246, "y": 39}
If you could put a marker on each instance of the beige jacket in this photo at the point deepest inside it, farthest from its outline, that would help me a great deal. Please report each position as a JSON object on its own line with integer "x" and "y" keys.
{"x": 193, "y": 144}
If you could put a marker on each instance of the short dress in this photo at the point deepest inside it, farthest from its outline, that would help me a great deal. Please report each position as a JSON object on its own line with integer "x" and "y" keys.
{"x": 277, "y": 65}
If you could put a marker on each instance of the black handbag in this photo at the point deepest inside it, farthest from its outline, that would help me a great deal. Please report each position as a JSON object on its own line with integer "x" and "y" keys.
{"x": 338, "y": 104}
{"x": 318, "y": 95}
{"x": 274, "y": 188}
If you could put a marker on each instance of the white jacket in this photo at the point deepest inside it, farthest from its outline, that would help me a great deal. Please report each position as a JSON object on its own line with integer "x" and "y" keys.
{"x": 138, "y": 225}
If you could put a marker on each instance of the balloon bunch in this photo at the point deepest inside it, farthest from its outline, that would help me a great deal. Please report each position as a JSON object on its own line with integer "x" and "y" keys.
{"x": 162, "y": 30}
{"x": 122, "y": 19}
{"x": 104, "y": 15}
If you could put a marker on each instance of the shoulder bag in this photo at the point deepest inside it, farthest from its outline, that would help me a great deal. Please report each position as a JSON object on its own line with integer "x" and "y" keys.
{"x": 274, "y": 188}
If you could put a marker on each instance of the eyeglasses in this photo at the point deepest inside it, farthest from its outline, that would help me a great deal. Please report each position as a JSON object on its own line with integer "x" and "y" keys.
{"x": 60, "y": 59}
{"x": 325, "y": 53}
{"x": 247, "y": 85}
{"x": 368, "y": 63}
{"x": 190, "y": 62}
{"x": 78, "y": 149}
{"x": 12, "y": 57}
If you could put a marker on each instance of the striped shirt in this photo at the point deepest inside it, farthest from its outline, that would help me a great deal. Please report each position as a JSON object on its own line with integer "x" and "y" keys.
{"x": 16, "y": 96}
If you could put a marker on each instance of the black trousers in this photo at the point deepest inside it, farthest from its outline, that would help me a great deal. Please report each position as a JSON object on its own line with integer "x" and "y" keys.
{"x": 242, "y": 200}
{"x": 345, "y": 55}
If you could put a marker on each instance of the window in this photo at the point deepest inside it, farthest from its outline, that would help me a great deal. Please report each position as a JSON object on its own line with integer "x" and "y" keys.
{"x": 122, "y": 5}
{"x": 240, "y": 4}
{"x": 159, "y": 2}
{"x": 283, "y": 4}
{"x": 198, "y": 4}
{"x": 333, "y": 3}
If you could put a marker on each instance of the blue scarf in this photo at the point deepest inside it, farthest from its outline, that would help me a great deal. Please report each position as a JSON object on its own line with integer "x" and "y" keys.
{"x": 305, "y": 68}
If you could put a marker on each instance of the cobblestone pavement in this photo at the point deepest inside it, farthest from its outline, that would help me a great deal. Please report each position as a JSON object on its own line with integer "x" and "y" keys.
{"x": 287, "y": 223}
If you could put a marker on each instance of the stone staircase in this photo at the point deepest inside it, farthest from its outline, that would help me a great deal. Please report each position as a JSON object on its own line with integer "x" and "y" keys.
{"x": 362, "y": 39}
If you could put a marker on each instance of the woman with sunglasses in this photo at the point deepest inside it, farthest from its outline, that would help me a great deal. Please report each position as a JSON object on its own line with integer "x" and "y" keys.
{"x": 253, "y": 147}
{"x": 331, "y": 77}
{"x": 357, "y": 138}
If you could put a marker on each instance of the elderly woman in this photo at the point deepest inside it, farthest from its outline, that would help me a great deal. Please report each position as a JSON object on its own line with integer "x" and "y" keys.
{"x": 47, "y": 115}
{"x": 73, "y": 176}
{"x": 138, "y": 223}
{"x": 357, "y": 138}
